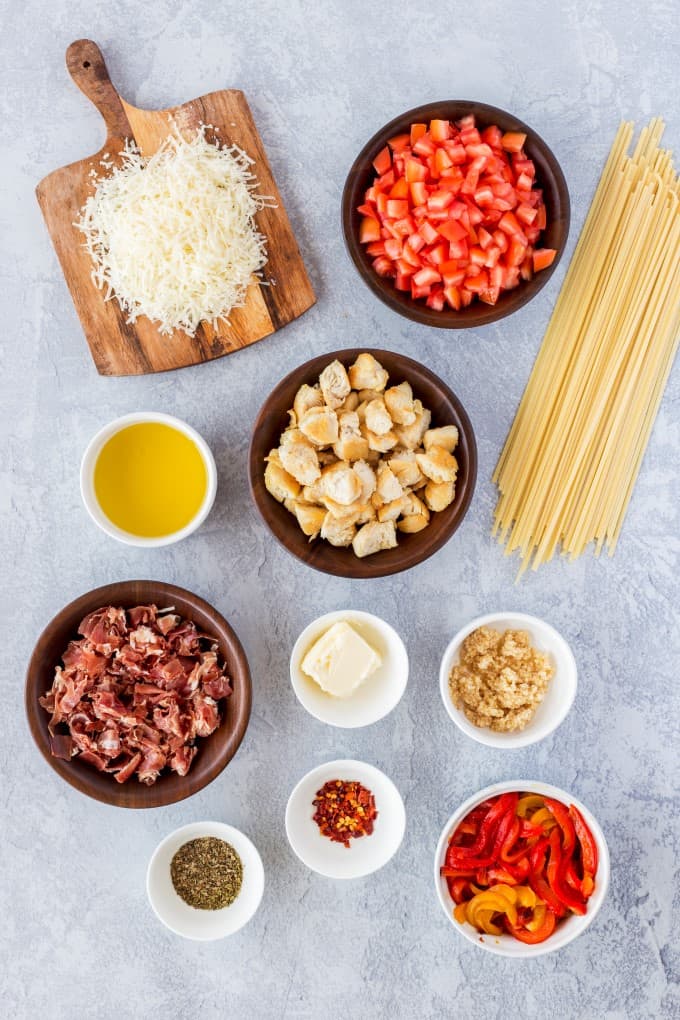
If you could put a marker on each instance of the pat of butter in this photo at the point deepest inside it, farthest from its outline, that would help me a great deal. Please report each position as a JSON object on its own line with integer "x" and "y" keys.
{"x": 340, "y": 661}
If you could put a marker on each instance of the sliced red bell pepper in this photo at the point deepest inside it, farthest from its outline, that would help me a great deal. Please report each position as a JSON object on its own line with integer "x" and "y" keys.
{"x": 563, "y": 819}
{"x": 532, "y": 938}
{"x": 586, "y": 839}
{"x": 487, "y": 829}
{"x": 557, "y": 863}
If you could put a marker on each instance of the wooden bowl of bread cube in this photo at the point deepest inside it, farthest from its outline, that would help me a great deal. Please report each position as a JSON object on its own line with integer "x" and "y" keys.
{"x": 362, "y": 463}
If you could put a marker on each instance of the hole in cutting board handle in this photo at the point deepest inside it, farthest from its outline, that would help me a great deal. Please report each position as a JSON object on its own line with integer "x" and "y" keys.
{"x": 86, "y": 63}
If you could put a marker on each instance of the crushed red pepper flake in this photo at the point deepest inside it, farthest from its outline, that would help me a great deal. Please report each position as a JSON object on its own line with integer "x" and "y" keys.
{"x": 344, "y": 810}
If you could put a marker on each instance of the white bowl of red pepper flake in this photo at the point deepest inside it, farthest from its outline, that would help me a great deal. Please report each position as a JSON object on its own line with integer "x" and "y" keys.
{"x": 521, "y": 868}
{"x": 205, "y": 881}
{"x": 345, "y": 819}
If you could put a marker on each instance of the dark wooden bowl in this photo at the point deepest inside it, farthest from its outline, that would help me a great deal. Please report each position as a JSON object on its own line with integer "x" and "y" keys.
{"x": 412, "y": 549}
{"x": 548, "y": 175}
{"x": 215, "y": 751}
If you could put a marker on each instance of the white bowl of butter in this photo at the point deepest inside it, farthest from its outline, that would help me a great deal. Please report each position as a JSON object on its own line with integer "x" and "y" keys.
{"x": 349, "y": 668}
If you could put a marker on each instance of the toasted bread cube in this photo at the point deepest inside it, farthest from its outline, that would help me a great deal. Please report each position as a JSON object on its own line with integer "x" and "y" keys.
{"x": 334, "y": 383}
{"x": 399, "y": 403}
{"x": 298, "y": 457}
{"x": 388, "y": 486}
{"x": 367, "y": 374}
{"x": 411, "y": 436}
{"x": 310, "y": 518}
{"x": 336, "y": 531}
{"x": 320, "y": 426}
{"x": 404, "y": 465}
{"x": 367, "y": 478}
{"x": 373, "y": 537}
{"x": 306, "y": 398}
{"x": 413, "y": 523}
{"x": 447, "y": 437}
{"x": 377, "y": 417}
{"x": 390, "y": 511}
{"x": 341, "y": 483}
{"x": 438, "y": 464}
{"x": 279, "y": 483}
{"x": 351, "y": 445}
{"x": 439, "y": 495}
{"x": 381, "y": 444}
{"x": 350, "y": 403}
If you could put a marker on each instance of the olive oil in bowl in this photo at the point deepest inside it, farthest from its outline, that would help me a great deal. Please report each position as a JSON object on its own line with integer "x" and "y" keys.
{"x": 149, "y": 481}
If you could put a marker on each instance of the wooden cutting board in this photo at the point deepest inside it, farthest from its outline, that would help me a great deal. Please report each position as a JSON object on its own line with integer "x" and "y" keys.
{"x": 120, "y": 348}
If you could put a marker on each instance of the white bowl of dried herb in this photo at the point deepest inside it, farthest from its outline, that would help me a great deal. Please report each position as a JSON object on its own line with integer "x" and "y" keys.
{"x": 205, "y": 881}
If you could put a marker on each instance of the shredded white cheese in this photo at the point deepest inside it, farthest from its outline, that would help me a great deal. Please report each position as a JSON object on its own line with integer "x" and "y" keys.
{"x": 173, "y": 237}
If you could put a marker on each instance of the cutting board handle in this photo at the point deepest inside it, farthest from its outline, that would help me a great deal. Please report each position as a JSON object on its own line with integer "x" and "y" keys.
{"x": 87, "y": 67}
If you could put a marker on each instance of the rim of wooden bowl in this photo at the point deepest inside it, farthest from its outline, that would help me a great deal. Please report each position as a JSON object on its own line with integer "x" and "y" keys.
{"x": 215, "y": 751}
{"x": 548, "y": 173}
{"x": 412, "y": 549}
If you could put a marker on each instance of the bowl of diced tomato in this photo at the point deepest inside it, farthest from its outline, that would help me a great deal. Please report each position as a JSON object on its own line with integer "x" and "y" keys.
{"x": 521, "y": 868}
{"x": 455, "y": 214}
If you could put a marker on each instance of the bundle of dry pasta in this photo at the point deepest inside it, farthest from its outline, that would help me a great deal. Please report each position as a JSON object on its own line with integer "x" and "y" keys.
{"x": 570, "y": 461}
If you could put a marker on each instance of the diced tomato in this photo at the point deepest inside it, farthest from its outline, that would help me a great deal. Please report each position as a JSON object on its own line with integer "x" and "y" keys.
{"x": 418, "y": 292}
{"x": 526, "y": 214}
{"x": 426, "y": 277}
{"x": 393, "y": 248}
{"x": 423, "y": 146}
{"x": 383, "y": 266}
{"x": 397, "y": 208}
{"x": 513, "y": 141}
{"x": 439, "y": 200}
{"x": 542, "y": 258}
{"x": 516, "y": 252}
{"x": 438, "y": 253}
{"x": 428, "y": 232}
{"x": 478, "y": 282}
{"x": 417, "y": 131}
{"x": 440, "y": 130}
{"x": 399, "y": 142}
{"x": 442, "y": 160}
{"x": 452, "y": 230}
{"x": 452, "y": 295}
{"x": 410, "y": 255}
{"x": 369, "y": 230}
{"x": 436, "y": 299}
{"x": 454, "y": 214}
{"x": 382, "y": 162}
{"x": 492, "y": 136}
{"x": 414, "y": 170}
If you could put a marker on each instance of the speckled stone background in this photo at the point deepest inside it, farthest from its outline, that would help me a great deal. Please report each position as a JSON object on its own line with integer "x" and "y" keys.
{"x": 77, "y": 935}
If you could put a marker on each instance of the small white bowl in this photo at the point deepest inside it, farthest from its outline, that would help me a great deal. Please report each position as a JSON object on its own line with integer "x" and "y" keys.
{"x": 89, "y": 461}
{"x": 189, "y": 922}
{"x": 569, "y": 928}
{"x": 377, "y": 696}
{"x": 365, "y": 854}
{"x": 558, "y": 698}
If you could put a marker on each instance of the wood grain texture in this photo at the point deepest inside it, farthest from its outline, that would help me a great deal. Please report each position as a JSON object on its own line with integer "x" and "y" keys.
{"x": 412, "y": 549}
{"x": 120, "y": 348}
{"x": 215, "y": 751}
{"x": 548, "y": 175}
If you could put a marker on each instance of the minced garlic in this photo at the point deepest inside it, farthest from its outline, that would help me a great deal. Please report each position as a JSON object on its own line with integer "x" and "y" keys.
{"x": 500, "y": 680}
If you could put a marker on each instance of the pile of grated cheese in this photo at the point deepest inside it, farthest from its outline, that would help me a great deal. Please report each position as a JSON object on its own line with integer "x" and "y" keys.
{"x": 173, "y": 236}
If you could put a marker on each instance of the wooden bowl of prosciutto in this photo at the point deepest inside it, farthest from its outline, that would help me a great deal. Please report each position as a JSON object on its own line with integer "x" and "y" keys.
{"x": 138, "y": 694}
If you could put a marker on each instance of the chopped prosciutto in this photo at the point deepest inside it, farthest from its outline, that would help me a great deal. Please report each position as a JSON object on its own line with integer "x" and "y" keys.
{"x": 134, "y": 692}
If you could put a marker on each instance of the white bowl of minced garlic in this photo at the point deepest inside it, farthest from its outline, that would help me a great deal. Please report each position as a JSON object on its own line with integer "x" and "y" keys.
{"x": 508, "y": 679}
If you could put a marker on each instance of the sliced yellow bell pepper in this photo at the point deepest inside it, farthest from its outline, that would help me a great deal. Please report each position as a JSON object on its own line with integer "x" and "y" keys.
{"x": 531, "y": 802}
{"x": 545, "y": 818}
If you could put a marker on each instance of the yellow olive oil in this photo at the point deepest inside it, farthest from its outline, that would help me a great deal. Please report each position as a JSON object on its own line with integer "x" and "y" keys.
{"x": 150, "y": 479}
